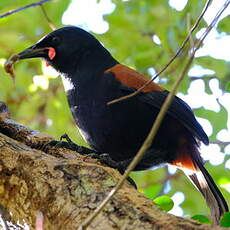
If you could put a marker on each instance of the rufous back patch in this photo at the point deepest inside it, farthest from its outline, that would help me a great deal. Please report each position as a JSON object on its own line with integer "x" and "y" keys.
{"x": 133, "y": 79}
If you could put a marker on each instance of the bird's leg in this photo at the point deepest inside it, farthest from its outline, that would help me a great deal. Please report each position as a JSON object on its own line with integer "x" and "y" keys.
{"x": 104, "y": 158}
{"x": 78, "y": 148}
{"x": 69, "y": 144}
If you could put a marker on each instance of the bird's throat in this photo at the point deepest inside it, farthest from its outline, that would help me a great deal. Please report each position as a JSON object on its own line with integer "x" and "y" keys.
{"x": 67, "y": 83}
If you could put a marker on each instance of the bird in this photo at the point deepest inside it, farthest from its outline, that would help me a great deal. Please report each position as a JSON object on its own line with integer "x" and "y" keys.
{"x": 92, "y": 77}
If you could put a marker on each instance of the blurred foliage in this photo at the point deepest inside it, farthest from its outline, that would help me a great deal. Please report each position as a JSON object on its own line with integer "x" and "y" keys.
{"x": 227, "y": 88}
{"x": 224, "y": 25}
{"x": 133, "y": 25}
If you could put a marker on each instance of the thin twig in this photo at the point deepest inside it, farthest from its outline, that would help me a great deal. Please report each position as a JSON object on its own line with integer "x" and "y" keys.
{"x": 148, "y": 141}
{"x": 222, "y": 144}
{"x": 23, "y": 8}
{"x": 50, "y": 23}
{"x": 188, "y": 27}
{"x": 170, "y": 61}
{"x": 210, "y": 26}
{"x": 225, "y": 143}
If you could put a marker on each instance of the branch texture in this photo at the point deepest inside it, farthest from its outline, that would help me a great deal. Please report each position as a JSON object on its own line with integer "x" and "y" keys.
{"x": 67, "y": 187}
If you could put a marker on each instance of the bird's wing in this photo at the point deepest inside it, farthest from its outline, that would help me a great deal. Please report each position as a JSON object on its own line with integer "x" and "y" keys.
{"x": 155, "y": 96}
{"x": 178, "y": 110}
{"x": 131, "y": 78}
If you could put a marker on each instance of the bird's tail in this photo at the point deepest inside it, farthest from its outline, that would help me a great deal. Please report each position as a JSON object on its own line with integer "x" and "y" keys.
{"x": 199, "y": 176}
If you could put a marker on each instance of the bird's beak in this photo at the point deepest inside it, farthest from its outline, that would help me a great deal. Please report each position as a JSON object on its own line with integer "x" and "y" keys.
{"x": 32, "y": 52}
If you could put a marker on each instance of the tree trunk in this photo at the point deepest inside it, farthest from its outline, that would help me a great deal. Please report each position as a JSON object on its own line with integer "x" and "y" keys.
{"x": 66, "y": 187}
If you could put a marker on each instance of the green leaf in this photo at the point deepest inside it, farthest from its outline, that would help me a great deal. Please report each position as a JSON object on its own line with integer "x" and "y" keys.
{"x": 164, "y": 202}
{"x": 219, "y": 66}
{"x": 201, "y": 219}
{"x": 148, "y": 181}
{"x": 225, "y": 221}
{"x": 227, "y": 88}
{"x": 218, "y": 120}
{"x": 151, "y": 191}
{"x": 224, "y": 25}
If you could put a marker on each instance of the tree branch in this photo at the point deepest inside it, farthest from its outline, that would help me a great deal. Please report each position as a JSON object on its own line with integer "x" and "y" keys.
{"x": 23, "y": 8}
{"x": 65, "y": 187}
{"x": 50, "y": 23}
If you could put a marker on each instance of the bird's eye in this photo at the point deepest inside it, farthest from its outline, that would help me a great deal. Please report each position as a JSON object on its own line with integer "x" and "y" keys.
{"x": 55, "y": 40}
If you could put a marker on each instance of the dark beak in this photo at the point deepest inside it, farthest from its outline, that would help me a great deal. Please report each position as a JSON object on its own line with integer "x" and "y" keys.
{"x": 32, "y": 52}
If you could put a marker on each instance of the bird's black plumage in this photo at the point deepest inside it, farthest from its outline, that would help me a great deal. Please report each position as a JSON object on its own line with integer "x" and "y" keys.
{"x": 93, "y": 78}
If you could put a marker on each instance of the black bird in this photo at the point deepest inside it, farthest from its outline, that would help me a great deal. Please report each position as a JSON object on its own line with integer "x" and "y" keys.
{"x": 92, "y": 78}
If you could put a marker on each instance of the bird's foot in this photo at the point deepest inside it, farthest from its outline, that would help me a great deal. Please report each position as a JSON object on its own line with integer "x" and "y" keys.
{"x": 105, "y": 158}
{"x": 69, "y": 144}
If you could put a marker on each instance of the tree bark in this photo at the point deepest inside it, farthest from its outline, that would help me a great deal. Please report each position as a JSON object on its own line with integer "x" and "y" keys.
{"x": 66, "y": 187}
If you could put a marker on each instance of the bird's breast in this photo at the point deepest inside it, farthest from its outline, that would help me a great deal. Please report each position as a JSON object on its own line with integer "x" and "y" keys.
{"x": 67, "y": 83}
{"x": 117, "y": 129}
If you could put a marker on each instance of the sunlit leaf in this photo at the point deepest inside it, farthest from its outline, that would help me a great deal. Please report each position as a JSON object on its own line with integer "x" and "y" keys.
{"x": 224, "y": 180}
{"x": 164, "y": 202}
{"x": 225, "y": 221}
{"x": 152, "y": 191}
{"x": 219, "y": 66}
{"x": 201, "y": 219}
{"x": 224, "y": 25}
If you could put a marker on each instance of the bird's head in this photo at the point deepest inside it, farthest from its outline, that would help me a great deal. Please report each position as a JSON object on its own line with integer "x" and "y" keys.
{"x": 65, "y": 49}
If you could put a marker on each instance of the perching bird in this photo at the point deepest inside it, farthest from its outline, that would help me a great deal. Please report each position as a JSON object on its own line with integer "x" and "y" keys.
{"x": 92, "y": 78}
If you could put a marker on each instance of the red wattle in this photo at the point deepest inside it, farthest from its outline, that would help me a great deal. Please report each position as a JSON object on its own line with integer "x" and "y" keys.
{"x": 51, "y": 53}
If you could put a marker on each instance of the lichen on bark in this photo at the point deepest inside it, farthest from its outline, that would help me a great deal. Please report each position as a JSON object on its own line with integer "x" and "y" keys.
{"x": 66, "y": 187}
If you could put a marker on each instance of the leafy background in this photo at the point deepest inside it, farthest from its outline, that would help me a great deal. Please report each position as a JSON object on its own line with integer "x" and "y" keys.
{"x": 37, "y": 99}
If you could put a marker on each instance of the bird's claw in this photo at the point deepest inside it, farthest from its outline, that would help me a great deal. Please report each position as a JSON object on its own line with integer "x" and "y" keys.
{"x": 69, "y": 144}
{"x": 105, "y": 158}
